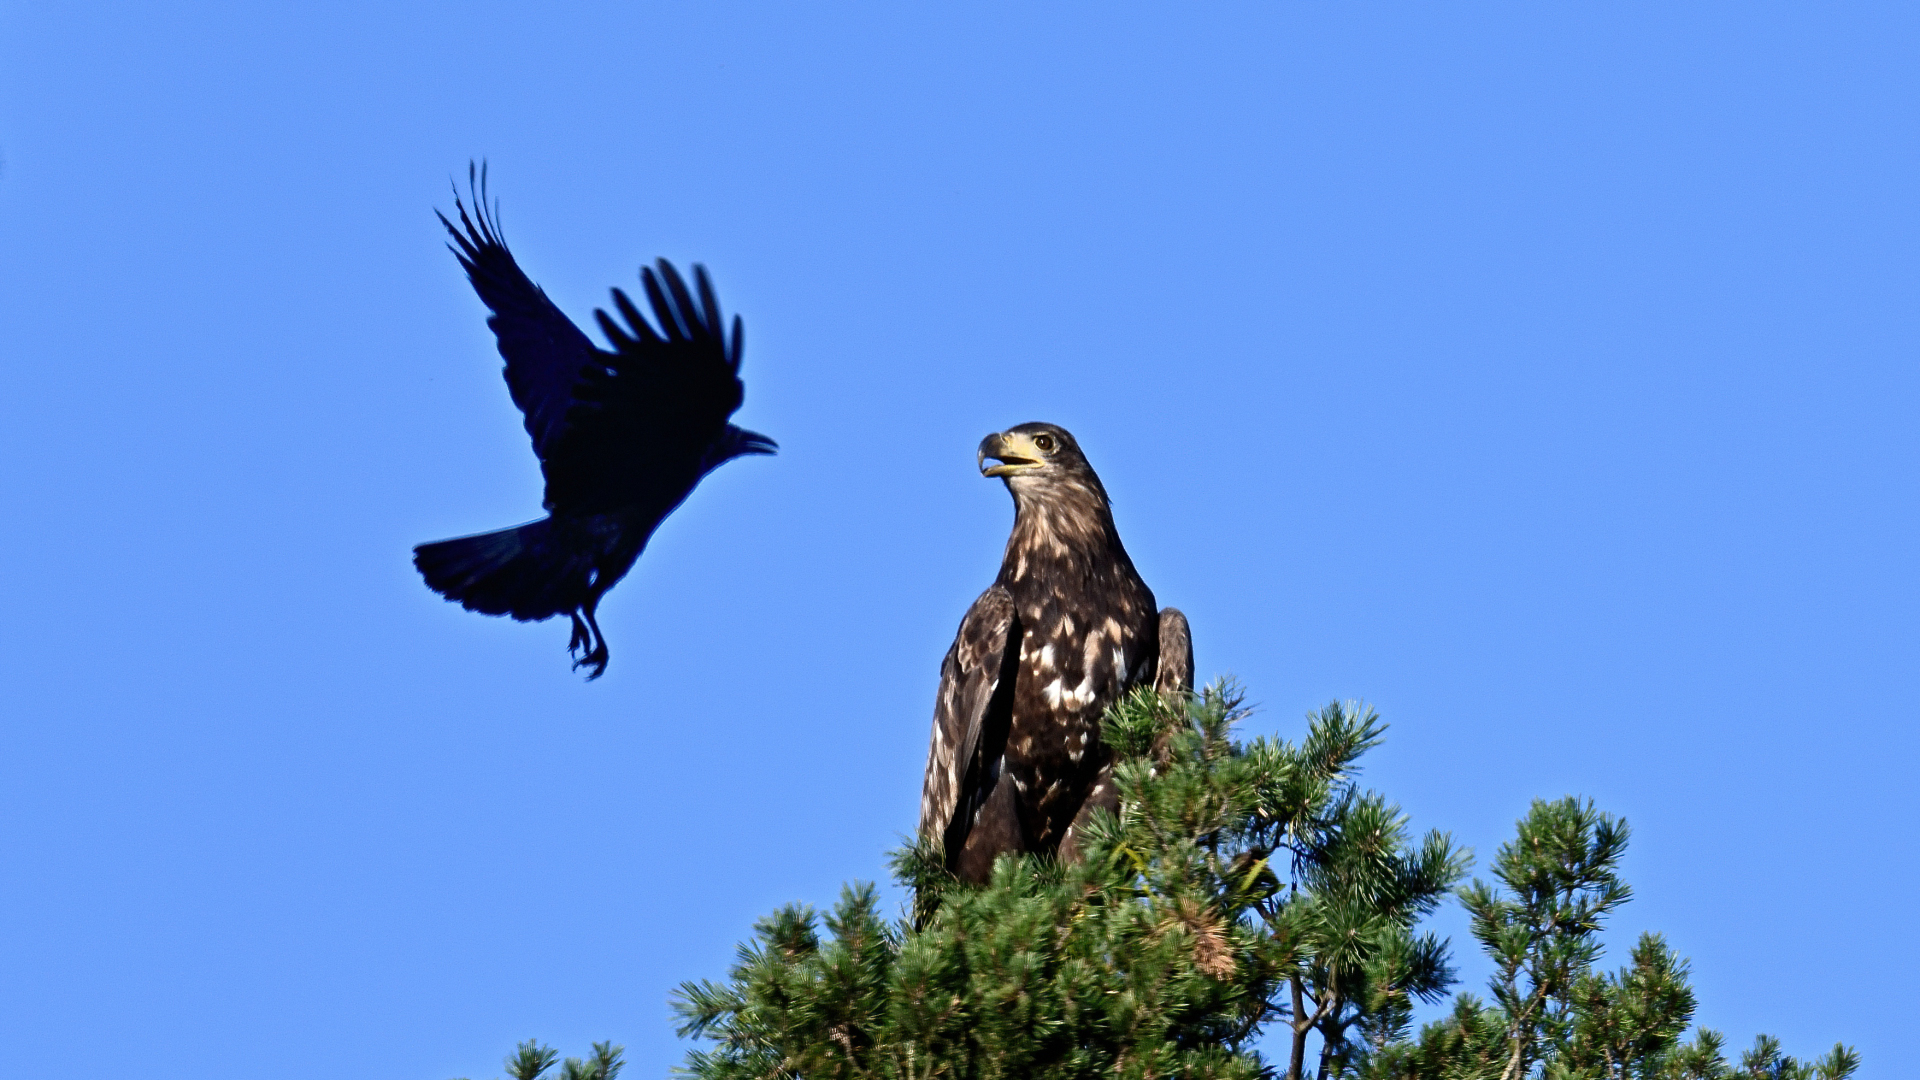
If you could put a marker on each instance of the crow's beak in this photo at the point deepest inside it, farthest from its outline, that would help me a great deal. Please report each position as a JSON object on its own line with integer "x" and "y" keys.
{"x": 1015, "y": 453}
{"x": 752, "y": 442}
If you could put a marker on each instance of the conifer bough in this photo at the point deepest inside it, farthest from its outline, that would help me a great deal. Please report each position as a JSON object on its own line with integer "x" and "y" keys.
{"x": 1251, "y": 912}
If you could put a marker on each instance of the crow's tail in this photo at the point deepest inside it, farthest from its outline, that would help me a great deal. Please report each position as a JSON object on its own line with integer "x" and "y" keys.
{"x": 520, "y": 572}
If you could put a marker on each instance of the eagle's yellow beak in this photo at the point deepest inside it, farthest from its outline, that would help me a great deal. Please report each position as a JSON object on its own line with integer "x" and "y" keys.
{"x": 1014, "y": 452}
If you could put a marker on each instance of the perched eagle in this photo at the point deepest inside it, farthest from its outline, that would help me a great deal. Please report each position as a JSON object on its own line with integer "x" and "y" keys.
{"x": 1067, "y": 628}
{"x": 622, "y": 436}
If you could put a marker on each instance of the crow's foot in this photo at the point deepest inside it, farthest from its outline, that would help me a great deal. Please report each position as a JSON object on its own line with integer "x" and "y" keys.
{"x": 587, "y": 636}
{"x": 597, "y": 660}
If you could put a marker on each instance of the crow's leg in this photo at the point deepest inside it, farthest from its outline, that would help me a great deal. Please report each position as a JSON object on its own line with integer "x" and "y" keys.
{"x": 596, "y": 657}
{"x": 580, "y": 640}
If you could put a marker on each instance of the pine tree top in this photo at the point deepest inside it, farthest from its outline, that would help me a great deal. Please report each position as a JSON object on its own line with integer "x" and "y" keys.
{"x": 1248, "y": 895}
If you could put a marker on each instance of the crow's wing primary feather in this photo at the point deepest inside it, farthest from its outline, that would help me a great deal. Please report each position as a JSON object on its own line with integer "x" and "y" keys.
{"x": 649, "y": 413}
{"x": 544, "y": 351}
{"x": 968, "y": 729}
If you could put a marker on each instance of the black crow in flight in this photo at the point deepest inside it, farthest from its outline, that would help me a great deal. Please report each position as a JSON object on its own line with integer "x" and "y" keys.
{"x": 622, "y": 436}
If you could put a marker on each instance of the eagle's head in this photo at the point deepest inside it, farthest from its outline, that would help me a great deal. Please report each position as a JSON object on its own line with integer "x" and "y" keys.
{"x": 1039, "y": 460}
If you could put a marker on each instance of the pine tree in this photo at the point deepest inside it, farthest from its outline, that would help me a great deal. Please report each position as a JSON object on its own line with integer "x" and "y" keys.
{"x": 1245, "y": 889}
{"x": 530, "y": 1061}
{"x": 1553, "y": 1015}
{"x": 1561, "y": 870}
{"x": 1241, "y": 883}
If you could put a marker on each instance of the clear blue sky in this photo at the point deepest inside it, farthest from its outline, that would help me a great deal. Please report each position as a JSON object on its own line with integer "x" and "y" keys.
{"x": 1544, "y": 375}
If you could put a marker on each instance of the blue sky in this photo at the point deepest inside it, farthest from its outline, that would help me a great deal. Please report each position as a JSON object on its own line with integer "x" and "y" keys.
{"x": 1543, "y": 375}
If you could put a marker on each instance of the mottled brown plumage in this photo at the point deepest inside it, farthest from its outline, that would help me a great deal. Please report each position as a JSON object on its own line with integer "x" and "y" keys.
{"x": 1016, "y": 762}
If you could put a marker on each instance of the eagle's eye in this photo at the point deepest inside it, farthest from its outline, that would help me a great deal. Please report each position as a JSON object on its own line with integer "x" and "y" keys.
{"x": 1044, "y": 442}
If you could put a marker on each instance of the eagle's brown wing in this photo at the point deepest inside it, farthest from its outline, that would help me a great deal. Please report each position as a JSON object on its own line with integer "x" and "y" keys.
{"x": 1176, "y": 653}
{"x": 1174, "y": 675}
{"x": 970, "y": 717}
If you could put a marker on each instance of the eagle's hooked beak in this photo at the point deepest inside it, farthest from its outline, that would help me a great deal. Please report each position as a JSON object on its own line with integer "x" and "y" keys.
{"x": 1015, "y": 453}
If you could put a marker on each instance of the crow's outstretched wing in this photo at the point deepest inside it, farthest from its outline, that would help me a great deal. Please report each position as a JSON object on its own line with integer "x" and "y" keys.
{"x": 970, "y": 718}
{"x": 544, "y": 351}
{"x": 649, "y": 415}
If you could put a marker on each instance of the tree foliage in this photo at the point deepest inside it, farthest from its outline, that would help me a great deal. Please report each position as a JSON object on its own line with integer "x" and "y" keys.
{"x": 1554, "y": 1016}
{"x": 530, "y": 1061}
{"x": 1159, "y": 954}
{"x": 1243, "y": 883}
{"x": 1250, "y": 912}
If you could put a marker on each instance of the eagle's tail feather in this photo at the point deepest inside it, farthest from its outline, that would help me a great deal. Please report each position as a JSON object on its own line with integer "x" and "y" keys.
{"x": 516, "y": 572}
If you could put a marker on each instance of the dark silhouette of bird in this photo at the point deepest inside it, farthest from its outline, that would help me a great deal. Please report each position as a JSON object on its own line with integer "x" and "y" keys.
{"x": 622, "y": 435}
{"x": 1016, "y": 762}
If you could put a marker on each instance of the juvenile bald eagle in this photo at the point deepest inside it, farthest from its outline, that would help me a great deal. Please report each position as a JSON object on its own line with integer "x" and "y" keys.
{"x": 622, "y": 436}
{"x": 1067, "y": 628}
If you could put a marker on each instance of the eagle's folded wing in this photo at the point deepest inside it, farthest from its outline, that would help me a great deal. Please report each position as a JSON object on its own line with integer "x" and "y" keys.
{"x": 1176, "y": 653}
{"x": 970, "y": 716}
